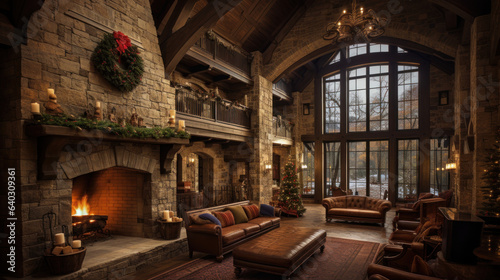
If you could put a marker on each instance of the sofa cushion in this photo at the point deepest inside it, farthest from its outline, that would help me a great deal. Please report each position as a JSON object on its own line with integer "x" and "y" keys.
{"x": 250, "y": 228}
{"x": 267, "y": 210}
{"x": 226, "y": 218}
{"x": 238, "y": 213}
{"x": 209, "y": 217}
{"x": 419, "y": 266}
{"x": 262, "y": 222}
{"x": 232, "y": 234}
{"x": 195, "y": 218}
{"x": 355, "y": 212}
{"x": 252, "y": 211}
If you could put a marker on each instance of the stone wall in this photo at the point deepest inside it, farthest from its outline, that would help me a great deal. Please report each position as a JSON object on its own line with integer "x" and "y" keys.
{"x": 62, "y": 37}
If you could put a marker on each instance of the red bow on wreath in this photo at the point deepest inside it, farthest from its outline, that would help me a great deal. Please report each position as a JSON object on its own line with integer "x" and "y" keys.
{"x": 122, "y": 40}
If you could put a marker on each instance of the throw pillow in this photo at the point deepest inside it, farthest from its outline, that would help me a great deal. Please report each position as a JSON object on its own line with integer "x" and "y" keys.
{"x": 225, "y": 218}
{"x": 419, "y": 266}
{"x": 267, "y": 210}
{"x": 238, "y": 213}
{"x": 211, "y": 218}
{"x": 195, "y": 218}
{"x": 252, "y": 211}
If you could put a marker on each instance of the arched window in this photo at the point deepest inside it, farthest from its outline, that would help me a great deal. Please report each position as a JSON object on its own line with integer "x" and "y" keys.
{"x": 376, "y": 122}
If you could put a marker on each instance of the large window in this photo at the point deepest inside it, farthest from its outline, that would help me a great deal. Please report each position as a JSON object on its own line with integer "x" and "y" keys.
{"x": 372, "y": 117}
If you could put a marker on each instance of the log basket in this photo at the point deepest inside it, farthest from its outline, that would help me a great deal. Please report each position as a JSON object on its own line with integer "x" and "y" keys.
{"x": 64, "y": 264}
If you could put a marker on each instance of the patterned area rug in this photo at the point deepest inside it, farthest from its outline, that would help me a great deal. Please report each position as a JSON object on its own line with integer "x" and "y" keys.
{"x": 342, "y": 259}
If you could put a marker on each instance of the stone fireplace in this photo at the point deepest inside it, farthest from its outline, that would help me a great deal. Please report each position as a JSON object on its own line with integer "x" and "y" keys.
{"x": 117, "y": 193}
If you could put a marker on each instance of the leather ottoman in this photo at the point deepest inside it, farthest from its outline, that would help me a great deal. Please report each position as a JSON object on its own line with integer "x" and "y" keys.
{"x": 281, "y": 251}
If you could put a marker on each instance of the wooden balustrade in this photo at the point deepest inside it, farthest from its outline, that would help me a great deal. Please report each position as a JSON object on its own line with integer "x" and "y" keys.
{"x": 192, "y": 103}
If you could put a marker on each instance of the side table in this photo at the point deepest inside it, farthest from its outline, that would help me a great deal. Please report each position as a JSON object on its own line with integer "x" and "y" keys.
{"x": 170, "y": 230}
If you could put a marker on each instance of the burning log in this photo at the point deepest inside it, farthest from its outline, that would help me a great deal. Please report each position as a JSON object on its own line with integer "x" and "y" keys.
{"x": 88, "y": 223}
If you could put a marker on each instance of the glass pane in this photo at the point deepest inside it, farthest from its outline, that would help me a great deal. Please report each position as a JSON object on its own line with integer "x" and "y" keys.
{"x": 408, "y": 116}
{"x": 308, "y": 169}
{"x": 336, "y": 58}
{"x": 332, "y": 106}
{"x": 379, "y": 102}
{"x": 333, "y": 77}
{"x": 379, "y": 169}
{"x": 357, "y": 49}
{"x": 439, "y": 180}
{"x": 408, "y": 159}
{"x": 332, "y": 166}
{"x": 400, "y": 50}
{"x": 357, "y": 168}
{"x": 357, "y": 104}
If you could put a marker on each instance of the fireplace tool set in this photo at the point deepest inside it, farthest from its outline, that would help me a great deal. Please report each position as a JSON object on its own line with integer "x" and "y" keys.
{"x": 60, "y": 256}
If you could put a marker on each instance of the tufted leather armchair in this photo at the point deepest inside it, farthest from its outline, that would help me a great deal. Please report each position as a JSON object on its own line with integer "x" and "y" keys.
{"x": 356, "y": 208}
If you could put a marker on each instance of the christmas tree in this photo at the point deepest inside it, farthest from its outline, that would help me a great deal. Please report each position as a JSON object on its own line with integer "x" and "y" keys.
{"x": 290, "y": 199}
{"x": 491, "y": 185}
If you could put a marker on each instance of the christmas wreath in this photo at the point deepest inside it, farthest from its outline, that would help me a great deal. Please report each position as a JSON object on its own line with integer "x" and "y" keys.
{"x": 118, "y": 61}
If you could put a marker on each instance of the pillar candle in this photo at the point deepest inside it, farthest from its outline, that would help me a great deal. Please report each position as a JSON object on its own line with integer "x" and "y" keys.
{"x": 171, "y": 214}
{"x": 77, "y": 244}
{"x": 50, "y": 91}
{"x": 171, "y": 113}
{"x": 35, "y": 108}
{"x": 166, "y": 215}
{"x": 182, "y": 125}
{"x": 98, "y": 104}
{"x": 59, "y": 238}
{"x": 169, "y": 220}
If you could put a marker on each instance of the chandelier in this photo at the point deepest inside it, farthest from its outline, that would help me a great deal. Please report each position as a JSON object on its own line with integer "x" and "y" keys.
{"x": 355, "y": 26}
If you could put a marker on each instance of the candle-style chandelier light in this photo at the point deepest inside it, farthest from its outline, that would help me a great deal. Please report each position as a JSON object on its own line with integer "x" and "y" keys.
{"x": 358, "y": 25}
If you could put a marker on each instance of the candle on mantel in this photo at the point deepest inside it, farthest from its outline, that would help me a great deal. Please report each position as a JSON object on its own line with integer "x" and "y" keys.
{"x": 182, "y": 125}
{"x": 169, "y": 220}
{"x": 171, "y": 113}
{"x": 50, "y": 91}
{"x": 59, "y": 239}
{"x": 98, "y": 104}
{"x": 77, "y": 244}
{"x": 35, "y": 108}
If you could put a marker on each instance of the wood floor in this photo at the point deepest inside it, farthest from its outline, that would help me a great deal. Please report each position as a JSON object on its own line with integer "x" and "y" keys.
{"x": 313, "y": 218}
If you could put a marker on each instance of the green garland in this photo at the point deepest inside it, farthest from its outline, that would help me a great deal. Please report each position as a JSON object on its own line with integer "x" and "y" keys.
{"x": 108, "y": 127}
{"x": 120, "y": 64}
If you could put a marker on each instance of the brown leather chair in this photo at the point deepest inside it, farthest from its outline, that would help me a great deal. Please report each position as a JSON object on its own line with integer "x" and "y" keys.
{"x": 406, "y": 219}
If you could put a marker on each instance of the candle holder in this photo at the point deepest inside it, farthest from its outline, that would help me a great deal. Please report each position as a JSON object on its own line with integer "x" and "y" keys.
{"x": 36, "y": 117}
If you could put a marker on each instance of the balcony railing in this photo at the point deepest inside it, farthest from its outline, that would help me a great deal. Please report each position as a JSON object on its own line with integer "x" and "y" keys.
{"x": 282, "y": 128}
{"x": 189, "y": 102}
{"x": 220, "y": 51}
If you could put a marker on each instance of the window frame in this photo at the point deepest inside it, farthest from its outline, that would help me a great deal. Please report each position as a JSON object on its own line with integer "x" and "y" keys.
{"x": 393, "y": 58}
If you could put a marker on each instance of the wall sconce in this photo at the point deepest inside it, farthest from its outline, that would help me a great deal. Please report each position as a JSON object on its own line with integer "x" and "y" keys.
{"x": 306, "y": 108}
{"x": 451, "y": 166}
{"x": 267, "y": 167}
{"x": 190, "y": 161}
{"x": 444, "y": 97}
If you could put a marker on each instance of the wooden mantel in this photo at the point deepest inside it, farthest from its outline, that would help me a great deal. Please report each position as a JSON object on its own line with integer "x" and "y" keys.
{"x": 52, "y": 139}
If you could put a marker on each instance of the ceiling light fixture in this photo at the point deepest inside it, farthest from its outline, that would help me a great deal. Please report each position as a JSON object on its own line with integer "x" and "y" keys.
{"x": 359, "y": 26}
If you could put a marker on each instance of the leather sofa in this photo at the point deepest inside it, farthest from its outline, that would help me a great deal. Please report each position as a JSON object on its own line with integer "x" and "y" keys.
{"x": 215, "y": 240}
{"x": 356, "y": 208}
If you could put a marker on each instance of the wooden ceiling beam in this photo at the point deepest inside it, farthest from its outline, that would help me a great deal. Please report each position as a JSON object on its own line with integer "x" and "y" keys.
{"x": 279, "y": 34}
{"x": 179, "y": 14}
{"x": 175, "y": 46}
{"x": 495, "y": 33}
{"x": 305, "y": 80}
{"x": 465, "y": 9}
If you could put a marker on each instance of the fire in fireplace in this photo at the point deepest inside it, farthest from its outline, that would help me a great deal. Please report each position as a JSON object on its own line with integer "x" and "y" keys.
{"x": 87, "y": 225}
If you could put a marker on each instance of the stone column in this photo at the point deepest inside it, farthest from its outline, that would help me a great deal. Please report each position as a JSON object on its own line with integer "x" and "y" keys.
{"x": 484, "y": 103}
{"x": 462, "y": 176}
{"x": 261, "y": 103}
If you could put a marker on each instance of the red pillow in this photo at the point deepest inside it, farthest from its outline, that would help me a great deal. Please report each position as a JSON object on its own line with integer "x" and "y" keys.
{"x": 252, "y": 211}
{"x": 226, "y": 218}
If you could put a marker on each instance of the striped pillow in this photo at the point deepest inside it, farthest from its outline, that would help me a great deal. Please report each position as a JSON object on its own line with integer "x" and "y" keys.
{"x": 226, "y": 218}
{"x": 252, "y": 211}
